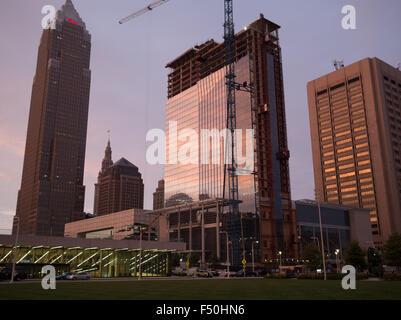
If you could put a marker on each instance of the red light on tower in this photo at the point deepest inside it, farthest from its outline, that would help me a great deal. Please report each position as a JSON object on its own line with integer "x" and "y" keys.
{"x": 72, "y": 21}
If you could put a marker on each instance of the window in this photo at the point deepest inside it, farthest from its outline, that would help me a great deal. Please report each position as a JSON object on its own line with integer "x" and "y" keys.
{"x": 326, "y": 154}
{"x": 348, "y": 174}
{"x": 351, "y": 165}
{"x": 365, "y": 180}
{"x": 344, "y": 150}
{"x": 361, "y": 154}
{"x": 361, "y": 137}
{"x": 341, "y": 126}
{"x": 346, "y": 158}
{"x": 347, "y": 196}
{"x": 365, "y": 171}
{"x": 343, "y": 133}
{"x": 343, "y": 141}
{"x": 328, "y": 162}
{"x": 358, "y": 146}
{"x": 329, "y": 170}
{"x": 331, "y": 186}
{"x": 348, "y": 183}
{"x": 361, "y": 163}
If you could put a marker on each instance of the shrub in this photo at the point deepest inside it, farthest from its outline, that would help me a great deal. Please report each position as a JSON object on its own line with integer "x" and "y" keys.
{"x": 392, "y": 276}
{"x": 330, "y": 276}
{"x": 275, "y": 276}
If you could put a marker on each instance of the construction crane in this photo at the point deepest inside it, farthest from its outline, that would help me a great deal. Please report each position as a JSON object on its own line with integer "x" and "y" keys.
{"x": 150, "y": 7}
{"x": 230, "y": 168}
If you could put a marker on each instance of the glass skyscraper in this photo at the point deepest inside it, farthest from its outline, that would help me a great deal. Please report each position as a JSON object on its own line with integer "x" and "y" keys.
{"x": 196, "y": 131}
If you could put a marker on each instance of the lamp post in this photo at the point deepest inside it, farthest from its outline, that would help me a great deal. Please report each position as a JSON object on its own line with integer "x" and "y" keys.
{"x": 337, "y": 260}
{"x": 253, "y": 257}
{"x": 321, "y": 233}
{"x": 16, "y": 221}
{"x": 227, "y": 254}
{"x": 280, "y": 253}
{"x": 140, "y": 254}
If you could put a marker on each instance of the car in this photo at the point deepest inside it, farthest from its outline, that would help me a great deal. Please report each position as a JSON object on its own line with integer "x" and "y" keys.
{"x": 79, "y": 276}
{"x": 225, "y": 274}
{"x": 203, "y": 273}
{"x": 247, "y": 273}
{"x": 20, "y": 274}
{"x": 214, "y": 272}
{"x": 64, "y": 276}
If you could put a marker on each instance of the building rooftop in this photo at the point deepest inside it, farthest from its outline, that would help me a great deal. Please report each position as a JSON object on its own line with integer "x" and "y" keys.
{"x": 124, "y": 163}
{"x": 328, "y": 205}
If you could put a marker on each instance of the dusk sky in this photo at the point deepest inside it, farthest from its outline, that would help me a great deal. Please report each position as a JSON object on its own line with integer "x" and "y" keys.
{"x": 129, "y": 78}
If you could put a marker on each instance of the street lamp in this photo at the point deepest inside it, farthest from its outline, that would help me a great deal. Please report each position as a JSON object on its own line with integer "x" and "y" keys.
{"x": 321, "y": 233}
{"x": 280, "y": 253}
{"x": 337, "y": 260}
{"x": 227, "y": 254}
{"x": 253, "y": 258}
{"x": 140, "y": 254}
{"x": 16, "y": 221}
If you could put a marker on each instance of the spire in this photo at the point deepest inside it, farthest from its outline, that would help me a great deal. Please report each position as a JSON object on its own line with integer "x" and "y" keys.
{"x": 107, "y": 161}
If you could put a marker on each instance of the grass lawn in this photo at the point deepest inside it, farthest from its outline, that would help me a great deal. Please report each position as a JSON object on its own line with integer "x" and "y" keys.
{"x": 242, "y": 289}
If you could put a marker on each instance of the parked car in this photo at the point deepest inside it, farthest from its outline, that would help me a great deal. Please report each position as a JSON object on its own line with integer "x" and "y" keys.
{"x": 247, "y": 273}
{"x": 64, "y": 276}
{"x": 203, "y": 273}
{"x": 214, "y": 272}
{"x": 20, "y": 274}
{"x": 79, "y": 276}
{"x": 225, "y": 274}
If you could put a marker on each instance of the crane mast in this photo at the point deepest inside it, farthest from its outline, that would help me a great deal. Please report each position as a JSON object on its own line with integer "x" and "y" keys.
{"x": 230, "y": 164}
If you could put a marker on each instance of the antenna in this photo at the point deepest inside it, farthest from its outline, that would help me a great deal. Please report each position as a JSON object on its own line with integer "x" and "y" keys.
{"x": 338, "y": 64}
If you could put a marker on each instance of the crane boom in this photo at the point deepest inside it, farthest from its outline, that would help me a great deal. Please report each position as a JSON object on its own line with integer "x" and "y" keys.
{"x": 150, "y": 7}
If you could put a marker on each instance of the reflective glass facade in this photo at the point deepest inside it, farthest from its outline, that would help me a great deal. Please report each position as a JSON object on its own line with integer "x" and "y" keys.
{"x": 200, "y": 107}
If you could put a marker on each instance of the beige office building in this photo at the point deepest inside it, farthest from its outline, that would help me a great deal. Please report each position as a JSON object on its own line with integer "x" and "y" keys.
{"x": 355, "y": 121}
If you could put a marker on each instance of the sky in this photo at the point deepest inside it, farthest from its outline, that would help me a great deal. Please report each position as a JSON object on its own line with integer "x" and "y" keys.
{"x": 129, "y": 78}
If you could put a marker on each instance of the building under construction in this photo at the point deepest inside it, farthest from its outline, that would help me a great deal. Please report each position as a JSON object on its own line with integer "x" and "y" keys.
{"x": 197, "y": 100}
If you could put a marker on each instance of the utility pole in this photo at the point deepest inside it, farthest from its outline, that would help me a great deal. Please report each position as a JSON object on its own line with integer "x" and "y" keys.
{"x": 16, "y": 221}
{"x": 253, "y": 256}
{"x": 140, "y": 255}
{"x": 227, "y": 254}
{"x": 321, "y": 233}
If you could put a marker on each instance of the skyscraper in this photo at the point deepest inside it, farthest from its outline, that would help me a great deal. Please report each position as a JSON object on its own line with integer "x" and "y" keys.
{"x": 52, "y": 191}
{"x": 120, "y": 188}
{"x": 197, "y": 101}
{"x": 158, "y": 196}
{"x": 106, "y": 163}
{"x": 355, "y": 125}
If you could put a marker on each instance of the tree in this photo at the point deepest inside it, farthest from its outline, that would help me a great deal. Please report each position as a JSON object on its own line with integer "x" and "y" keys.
{"x": 175, "y": 259}
{"x": 212, "y": 259}
{"x": 375, "y": 261}
{"x": 194, "y": 259}
{"x": 355, "y": 256}
{"x": 392, "y": 251}
{"x": 312, "y": 256}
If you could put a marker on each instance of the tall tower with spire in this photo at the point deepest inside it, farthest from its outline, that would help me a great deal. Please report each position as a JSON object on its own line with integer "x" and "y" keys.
{"x": 52, "y": 191}
{"x": 106, "y": 163}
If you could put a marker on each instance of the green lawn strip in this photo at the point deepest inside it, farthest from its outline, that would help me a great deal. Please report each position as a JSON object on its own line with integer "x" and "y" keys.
{"x": 259, "y": 289}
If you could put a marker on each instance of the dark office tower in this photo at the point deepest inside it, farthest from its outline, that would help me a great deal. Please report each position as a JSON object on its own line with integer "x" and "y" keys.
{"x": 158, "y": 196}
{"x": 106, "y": 163}
{"x": 197, "y": 100}
{"x": 355, "y": 121}
{"x": 52, "y": 191}
{"x": 120, "y": 188}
